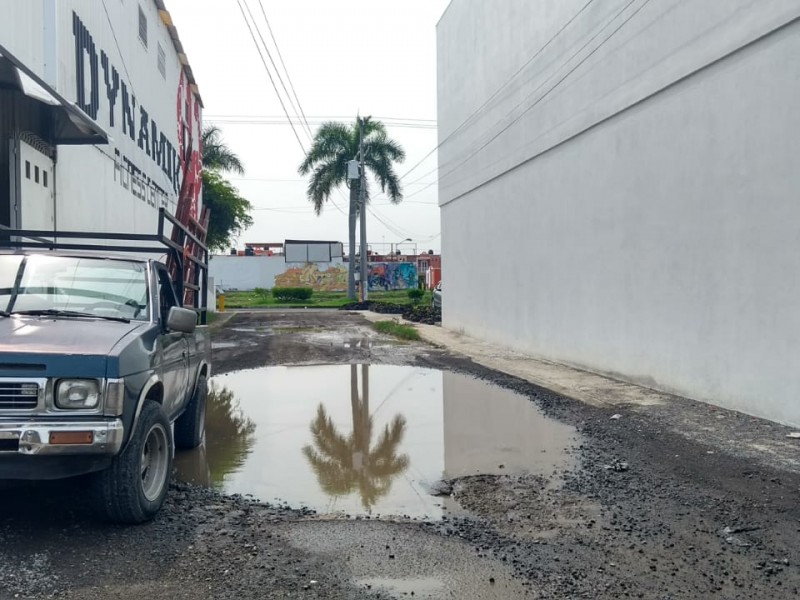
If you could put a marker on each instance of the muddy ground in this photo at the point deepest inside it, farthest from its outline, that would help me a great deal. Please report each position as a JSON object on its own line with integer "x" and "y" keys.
{"x": 646, "y": 513}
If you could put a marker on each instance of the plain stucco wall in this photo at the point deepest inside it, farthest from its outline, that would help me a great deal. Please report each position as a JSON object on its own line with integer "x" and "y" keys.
{"x": 642, "y": 215}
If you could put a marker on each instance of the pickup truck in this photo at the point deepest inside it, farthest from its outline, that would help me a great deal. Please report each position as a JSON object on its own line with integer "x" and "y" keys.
{"x": 102, "y": 374}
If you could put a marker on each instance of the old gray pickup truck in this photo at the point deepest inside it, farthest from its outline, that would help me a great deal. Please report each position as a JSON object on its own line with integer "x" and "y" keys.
{"x": 102, "y": 371}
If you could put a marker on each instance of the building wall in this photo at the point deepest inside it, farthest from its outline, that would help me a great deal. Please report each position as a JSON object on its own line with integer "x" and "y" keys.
{"x": 638, "y": 190}
{"x": 250, "y": 272}
{"x": 91, "y": 53}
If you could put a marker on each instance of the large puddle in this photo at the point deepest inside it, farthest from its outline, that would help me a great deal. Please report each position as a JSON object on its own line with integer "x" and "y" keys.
{"x": 366, "y": 439}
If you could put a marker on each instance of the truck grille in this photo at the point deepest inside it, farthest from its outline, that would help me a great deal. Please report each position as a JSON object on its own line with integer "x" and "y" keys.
{"x": 18, "y": 396}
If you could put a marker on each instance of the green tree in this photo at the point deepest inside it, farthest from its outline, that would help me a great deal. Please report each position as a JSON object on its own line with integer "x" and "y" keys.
{"x": 333, "y": 146}
{"x": 346, "y": 464}
{"x": 230, "y": 212}
{"x": 230, "y": 437}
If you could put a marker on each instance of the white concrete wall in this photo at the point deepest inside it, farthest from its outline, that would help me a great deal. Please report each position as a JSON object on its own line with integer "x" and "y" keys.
{"x": 249, "y": 272}
{"x": 642, "y": 214}
{"x": 119, "y": 186}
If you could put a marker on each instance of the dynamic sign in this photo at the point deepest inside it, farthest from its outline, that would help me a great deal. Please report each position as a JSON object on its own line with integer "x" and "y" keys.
{"x": 135, "y": 122}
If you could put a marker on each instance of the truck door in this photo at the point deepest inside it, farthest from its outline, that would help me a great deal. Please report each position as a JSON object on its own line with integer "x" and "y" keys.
{"x": 174, "y": 350}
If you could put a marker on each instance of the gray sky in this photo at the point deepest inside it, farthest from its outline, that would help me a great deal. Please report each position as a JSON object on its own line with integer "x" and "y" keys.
{"x": 376, "y": 57}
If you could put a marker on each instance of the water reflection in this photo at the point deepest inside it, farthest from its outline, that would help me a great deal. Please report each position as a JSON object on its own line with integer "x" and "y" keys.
{"x": 344, "y": 465}
{"x": 229, "y": 439}
{"x": 366, "y": 440}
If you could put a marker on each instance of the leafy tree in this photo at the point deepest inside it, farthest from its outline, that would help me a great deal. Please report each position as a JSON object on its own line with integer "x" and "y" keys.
{"x": 333, "y": 146}
{"x": 230, "y": 212}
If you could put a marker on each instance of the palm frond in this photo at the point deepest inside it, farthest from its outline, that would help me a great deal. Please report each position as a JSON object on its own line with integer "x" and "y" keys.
{"x": 217, "y": 156}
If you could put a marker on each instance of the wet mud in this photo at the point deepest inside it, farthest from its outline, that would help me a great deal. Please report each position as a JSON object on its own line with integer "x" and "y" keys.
{"x": 613, "y": 508}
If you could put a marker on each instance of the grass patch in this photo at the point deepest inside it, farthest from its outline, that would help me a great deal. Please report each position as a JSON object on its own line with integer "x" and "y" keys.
{"x": 253, "y": 299}
{"x": 398, "y": 330}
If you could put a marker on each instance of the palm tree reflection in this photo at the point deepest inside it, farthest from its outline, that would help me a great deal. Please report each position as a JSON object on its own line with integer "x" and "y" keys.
{"x": 228, "y": 441}
{"x": 347, "y": 464}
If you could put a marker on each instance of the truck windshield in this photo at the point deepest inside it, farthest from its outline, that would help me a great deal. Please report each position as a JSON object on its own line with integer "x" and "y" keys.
{"x": 96, "y": 286}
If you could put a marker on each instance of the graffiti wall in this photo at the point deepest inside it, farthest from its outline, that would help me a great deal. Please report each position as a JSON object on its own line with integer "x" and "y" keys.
{"x": 250, "y": 272}
{"x": 334, "y": 279}
{"x": 392, "y": 276}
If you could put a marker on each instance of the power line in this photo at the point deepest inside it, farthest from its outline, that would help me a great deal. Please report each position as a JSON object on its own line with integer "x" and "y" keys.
{"x": 274, "y": 66}
{"x": 285, "y": 70}
{"x": 277, "y": 121}
{"x": 275, "y": 87}
{"x": 270, "y": 180}
{"x": 321, "y": 117}
{"x": 494, "y": 95}
{"x": 559, "y": 82}
{"x": 269, "y": 74}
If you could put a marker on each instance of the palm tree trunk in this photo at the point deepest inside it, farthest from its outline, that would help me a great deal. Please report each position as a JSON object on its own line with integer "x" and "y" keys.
{"x": 351, "y": 266}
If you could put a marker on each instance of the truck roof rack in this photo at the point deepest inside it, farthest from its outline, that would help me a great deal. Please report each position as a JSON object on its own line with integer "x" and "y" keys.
{"x": 184, "y": 250}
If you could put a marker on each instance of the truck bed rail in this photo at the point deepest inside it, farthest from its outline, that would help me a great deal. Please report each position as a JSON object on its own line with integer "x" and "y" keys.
{"x": 64, "y": 240}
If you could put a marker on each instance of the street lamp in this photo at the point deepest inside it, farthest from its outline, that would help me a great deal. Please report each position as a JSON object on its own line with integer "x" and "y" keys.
{"x": 394, "y": 256}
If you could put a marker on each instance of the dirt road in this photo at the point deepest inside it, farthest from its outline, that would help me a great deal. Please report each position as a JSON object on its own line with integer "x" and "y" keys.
{"x": 631, "y": 509}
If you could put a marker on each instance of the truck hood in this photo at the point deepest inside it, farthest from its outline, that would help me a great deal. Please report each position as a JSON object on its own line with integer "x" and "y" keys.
{"x": 48, "y": 335}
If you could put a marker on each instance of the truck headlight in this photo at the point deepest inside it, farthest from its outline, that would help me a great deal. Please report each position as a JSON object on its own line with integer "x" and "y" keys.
{"x": 77, "y": 394}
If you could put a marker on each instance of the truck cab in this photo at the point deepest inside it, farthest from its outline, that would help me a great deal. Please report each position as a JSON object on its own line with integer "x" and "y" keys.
{"x": 102, "y": 373}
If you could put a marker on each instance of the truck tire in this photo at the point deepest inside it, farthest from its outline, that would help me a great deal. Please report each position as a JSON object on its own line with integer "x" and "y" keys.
{"x": 134, "y": 487}
{"x": 191, "y": 425}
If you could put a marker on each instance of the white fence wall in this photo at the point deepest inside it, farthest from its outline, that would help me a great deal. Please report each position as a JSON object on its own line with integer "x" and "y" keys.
{"x": 249, "y": 272}
{"x": 641, "y": 206}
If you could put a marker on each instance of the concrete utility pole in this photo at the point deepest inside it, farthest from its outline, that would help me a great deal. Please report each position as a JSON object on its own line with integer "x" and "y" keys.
{"x": 362, "y": 203}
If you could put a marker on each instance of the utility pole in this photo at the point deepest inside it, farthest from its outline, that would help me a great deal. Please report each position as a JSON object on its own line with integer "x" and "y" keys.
{"x": 362, "y": 197}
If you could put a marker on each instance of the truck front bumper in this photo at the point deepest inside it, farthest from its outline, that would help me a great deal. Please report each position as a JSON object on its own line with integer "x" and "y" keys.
{"x": 59, "y": 438}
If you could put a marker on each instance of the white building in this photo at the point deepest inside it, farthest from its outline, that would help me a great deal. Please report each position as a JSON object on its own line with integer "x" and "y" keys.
{"x": 100, "y": 115}
{"x": 633, "y": 167}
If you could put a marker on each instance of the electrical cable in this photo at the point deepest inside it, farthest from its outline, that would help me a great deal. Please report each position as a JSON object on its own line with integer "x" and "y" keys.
{"x": 285, "y": 70}
{"x": 269, "y": 74}
{"x": 274, "y": 66}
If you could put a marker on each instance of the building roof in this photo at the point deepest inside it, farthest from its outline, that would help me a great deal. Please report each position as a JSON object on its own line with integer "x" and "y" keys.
{"x": 166, "y": 18}
{"x": 310, "y": 242}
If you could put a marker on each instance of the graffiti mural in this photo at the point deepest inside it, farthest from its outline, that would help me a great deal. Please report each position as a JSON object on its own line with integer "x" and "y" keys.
{"x": 392, "y": 276}
{"x": 332, "y": 280}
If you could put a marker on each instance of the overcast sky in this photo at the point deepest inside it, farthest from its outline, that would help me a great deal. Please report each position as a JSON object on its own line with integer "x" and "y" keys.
{"x": 376, "y": 57}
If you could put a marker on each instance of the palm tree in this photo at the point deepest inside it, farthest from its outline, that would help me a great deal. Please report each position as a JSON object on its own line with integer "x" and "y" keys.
{"x": 333, "y": 146}
{"x": 216, "y": 154}
{"x": 230, "y": 212}
{"x": 345, "y": 464}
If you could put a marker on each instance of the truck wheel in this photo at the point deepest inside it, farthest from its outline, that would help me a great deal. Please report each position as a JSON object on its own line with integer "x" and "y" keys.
{"x": 134, "y": 487}
{"x": 191, "y": 425}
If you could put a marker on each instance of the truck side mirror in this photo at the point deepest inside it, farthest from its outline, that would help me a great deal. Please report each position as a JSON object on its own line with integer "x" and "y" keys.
{"x": 182, "y": 320}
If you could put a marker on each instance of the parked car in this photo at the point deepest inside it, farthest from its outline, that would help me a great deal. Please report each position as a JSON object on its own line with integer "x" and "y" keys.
{"x": 436, "y": 301}
{"x": 99, "y": 364}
